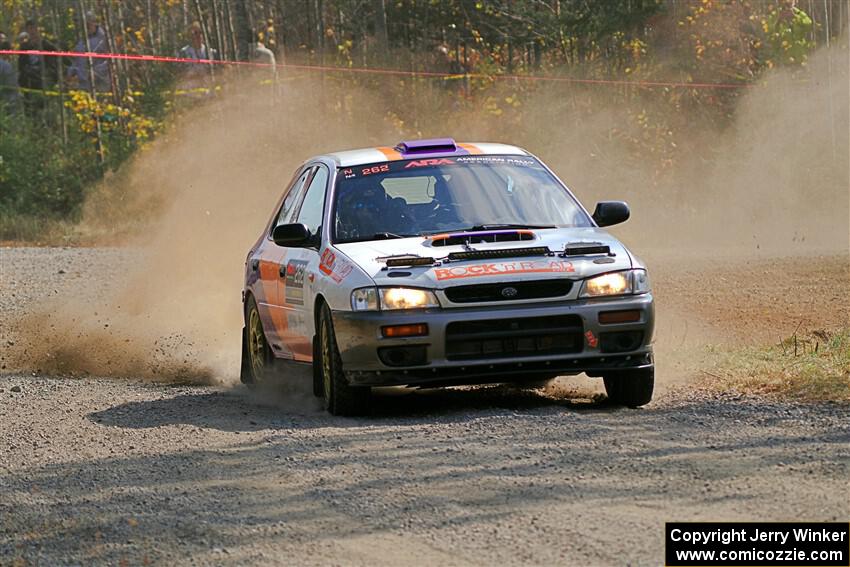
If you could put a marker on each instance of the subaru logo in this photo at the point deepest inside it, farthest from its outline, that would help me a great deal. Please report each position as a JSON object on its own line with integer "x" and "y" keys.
{"x": 509, "y": 292}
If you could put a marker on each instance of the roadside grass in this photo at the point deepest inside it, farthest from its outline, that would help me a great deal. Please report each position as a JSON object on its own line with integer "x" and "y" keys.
{"x": 814, "y": 367}
{"x": 38, "y": 231}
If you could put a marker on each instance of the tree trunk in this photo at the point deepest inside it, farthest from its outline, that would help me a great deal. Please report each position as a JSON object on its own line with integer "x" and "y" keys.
{"x": 92, "y": 88}
{"x": 381, "y": 35}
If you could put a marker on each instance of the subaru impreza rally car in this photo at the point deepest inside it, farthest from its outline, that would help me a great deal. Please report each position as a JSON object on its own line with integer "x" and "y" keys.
{"x": 435, "y": 263}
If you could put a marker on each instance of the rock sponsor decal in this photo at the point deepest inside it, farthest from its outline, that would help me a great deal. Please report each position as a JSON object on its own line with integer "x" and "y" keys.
{"x": 504, "y": 268}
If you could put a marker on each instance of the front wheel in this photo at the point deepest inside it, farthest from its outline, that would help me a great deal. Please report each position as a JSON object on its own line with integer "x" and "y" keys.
{"x": 258, "y": 360}
{"x": 631, "y": 388}
{"x": 341, "y": 398}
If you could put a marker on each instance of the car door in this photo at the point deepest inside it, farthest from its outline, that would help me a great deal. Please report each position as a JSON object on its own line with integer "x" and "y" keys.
{"x": 301, "y": 265}
{"x": 269, "y": 257}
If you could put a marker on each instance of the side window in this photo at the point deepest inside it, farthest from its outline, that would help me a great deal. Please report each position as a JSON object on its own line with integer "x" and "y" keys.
{"x": 414, "y": 190}
{"x": 292, "y": 197}
{"x": 313, "y": 206}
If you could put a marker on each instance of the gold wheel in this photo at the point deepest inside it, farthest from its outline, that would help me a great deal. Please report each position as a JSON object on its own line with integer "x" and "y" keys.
{"x": 257, "y": 349}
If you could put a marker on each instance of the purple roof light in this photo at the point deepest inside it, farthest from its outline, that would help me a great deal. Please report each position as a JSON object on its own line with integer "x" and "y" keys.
{"x": 435, "y": 145}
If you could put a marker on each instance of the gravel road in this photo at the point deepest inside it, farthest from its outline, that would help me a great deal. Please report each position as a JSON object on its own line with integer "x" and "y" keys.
{"x": 124, "y": 471}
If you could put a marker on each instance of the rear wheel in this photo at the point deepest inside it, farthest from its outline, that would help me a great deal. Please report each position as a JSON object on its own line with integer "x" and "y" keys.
{"x": 341, "y": 398}
{"x": 631, "y": 388}
{"x": 260, "y": 359}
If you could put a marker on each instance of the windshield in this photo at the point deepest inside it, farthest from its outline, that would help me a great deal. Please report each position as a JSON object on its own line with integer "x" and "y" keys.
{"x": 428, "y": 196}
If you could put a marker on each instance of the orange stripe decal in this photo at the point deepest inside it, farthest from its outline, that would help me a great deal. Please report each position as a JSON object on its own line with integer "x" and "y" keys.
{"x": 390, "y": 153}
{"x": 472, "y": 149}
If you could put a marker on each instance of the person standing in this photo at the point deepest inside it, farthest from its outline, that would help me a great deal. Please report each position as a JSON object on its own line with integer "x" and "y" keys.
{"x": 9, "y": 94}
{"x": 36, "y": 72}
{"x": 79, "y": 72}
{"x": 197, "y": 76}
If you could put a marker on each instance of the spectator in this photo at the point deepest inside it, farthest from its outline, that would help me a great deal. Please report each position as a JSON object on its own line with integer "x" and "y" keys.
{"x": 79, "y": 73}
{"x": 8, "y": 81}
{"x": 259, "y": 53}
{"x": 455, "y": 79}
{"x": 197, "y": 75}
{"x": 262, "y": 54}
{"x": 36, "y": 72}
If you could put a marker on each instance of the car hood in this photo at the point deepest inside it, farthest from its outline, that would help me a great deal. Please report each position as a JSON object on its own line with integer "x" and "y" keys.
{"x": 371, "y": 257}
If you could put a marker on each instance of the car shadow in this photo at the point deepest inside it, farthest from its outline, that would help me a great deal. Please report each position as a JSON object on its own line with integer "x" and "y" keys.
{"x": 244, "y": 409}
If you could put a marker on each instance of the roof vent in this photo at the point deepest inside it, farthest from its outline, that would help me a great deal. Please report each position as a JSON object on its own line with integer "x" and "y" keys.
{"x": 433, "y": 146}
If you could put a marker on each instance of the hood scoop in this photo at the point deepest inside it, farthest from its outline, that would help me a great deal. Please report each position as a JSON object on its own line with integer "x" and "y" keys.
{"x": 586, "y": 249}
{"x": 501, "y": 253}
{"x": 407, "y": 261}
{"x": 461, "y": 238}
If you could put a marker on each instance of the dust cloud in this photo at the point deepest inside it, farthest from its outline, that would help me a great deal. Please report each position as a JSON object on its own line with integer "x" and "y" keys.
{"x": 192, "y": 204}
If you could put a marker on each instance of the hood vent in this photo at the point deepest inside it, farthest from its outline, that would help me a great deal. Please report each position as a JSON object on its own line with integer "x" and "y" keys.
{"x": 586, "y": 249}
{"x": 407, "y": 261}
{"x": 502, "y": 253}
{"x": 478, "y": 237}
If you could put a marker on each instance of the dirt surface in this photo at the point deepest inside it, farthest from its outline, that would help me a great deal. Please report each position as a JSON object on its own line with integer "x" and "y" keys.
{"x": 109, "y": 471}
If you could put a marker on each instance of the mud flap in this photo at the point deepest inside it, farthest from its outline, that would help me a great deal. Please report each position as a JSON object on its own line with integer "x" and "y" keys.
{"x": 318, "y": 386}
{"x": 245, "y": 365}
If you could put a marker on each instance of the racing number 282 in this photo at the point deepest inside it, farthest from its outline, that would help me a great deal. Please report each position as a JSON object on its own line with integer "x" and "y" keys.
{"x": 376, "y": 169}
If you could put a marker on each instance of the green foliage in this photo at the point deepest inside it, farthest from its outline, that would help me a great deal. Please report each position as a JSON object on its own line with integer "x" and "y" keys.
{"x": 787, "y": 29}
{"x": 38, "y": 176}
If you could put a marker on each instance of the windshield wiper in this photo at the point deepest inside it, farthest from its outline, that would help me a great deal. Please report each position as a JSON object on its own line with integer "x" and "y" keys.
{"x": 376, "y": 236}
{"x": 478, "y": 227}
{"x": 388, "y": 235}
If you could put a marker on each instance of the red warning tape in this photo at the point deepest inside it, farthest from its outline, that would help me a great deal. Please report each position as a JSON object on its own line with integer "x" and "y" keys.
{"x": 376, "y": 71}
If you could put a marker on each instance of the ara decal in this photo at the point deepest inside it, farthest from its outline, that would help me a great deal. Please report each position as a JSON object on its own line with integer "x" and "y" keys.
{"x": 428, "y": 162}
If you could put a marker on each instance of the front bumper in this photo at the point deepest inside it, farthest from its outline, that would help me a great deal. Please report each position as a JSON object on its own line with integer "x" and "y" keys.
{"x": 583, "y": 345}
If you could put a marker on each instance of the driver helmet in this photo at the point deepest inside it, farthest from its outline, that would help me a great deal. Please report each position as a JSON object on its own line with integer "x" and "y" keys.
{"x": 372, "y": 197}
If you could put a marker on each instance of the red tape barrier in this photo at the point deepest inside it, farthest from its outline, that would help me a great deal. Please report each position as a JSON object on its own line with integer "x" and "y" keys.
{"x": 375, "y": 71}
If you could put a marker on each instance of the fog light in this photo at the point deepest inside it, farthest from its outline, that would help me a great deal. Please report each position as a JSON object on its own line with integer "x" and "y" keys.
{"x": 609, "y": 317}
{"x": 404, "y": 355}
{"x": 623, "y": 341}
{"x": 395, "y": 331}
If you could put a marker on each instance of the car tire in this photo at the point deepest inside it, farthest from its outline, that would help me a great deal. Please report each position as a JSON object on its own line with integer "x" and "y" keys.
{"x": 631, "y": 388}
{"x": 340, "y": 397}
{"x": 258, "y": 362}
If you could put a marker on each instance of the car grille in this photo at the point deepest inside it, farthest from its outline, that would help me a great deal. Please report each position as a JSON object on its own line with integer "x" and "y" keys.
{"x": 510, "y": 338}
{"x": 509, "y": 292}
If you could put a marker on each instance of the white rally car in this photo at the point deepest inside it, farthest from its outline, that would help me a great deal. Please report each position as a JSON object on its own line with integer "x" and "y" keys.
{"x": 435, "y": 263}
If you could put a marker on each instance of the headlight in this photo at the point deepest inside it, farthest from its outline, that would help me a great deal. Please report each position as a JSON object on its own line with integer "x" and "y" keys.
{"x": 392, "y": 298}
{"x": 365, "y": 299}
{"x": 640, "y": 281}
{"x": 616, "y": 283}
{"x": 407, "y": 298}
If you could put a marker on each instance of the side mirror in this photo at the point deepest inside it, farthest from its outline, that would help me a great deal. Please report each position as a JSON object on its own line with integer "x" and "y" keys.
{"x": 611, "y": 212}
{"x": 291, "y": 235}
